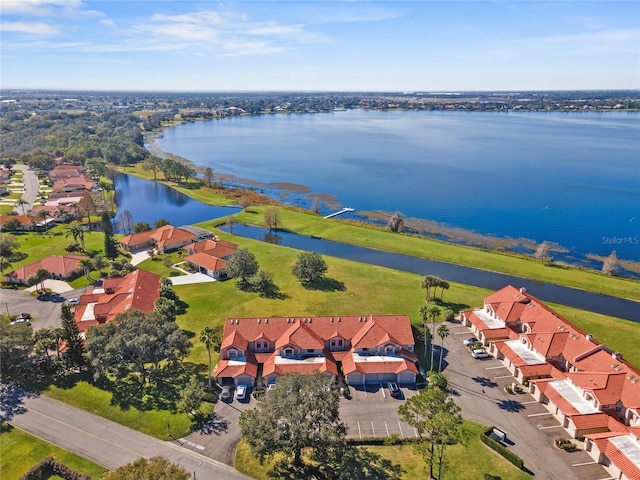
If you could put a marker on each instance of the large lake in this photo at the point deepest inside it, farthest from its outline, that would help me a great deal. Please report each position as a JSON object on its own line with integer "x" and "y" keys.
{"x": 570, "y": 178}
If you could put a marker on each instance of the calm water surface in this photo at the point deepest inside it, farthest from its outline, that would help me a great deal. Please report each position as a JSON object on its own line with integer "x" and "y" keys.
{"x": 569, "y": 178}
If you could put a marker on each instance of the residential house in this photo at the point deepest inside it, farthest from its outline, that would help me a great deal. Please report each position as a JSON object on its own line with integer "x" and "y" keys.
{"x": 27, "y": 223}
{"x": 138, "y": 290}
{"x": 162, "y": 239}
{"x": 210, "y": 256}
{"x": 368, "y": 349}
{"x": 590, "y": 389}
{"x": 60, "y": 267}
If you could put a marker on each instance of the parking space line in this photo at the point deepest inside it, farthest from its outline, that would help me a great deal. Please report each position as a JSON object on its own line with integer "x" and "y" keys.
{"x": 415, "y": 430}
{"x": 359, "y": 431}
{"x": 532, "y": 401}
{"x": 461, "y": 333}
{"x": 495, "y": 368}
{"x": 382, "y": 390}
{"x": 553, "y": 426}
{"x": 400, "y": 427}
{"x": 387, "y": 427}
{"x": 373, "y": 429}
{"x": 539, "y": 414}
{"x": 503, "y": 376}
{"x": 582, "y": 464}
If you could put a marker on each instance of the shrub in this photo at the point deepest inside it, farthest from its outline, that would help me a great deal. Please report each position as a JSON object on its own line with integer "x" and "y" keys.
{"x": 509, "y": 389}
{"x": 72, "y": 247}
{"x": 506, "y": 453}
{"x": 49, "y": 467}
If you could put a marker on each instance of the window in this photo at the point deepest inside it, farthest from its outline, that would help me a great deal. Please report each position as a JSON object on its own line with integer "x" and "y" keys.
{"x": 233, "y": 354}
{"x": 288, "y": 352}
{"x": 310, "y": 350}
{"x": 365, "y": 349}
{"x": 389, "y": 349}
{"x": 333, "y": 343}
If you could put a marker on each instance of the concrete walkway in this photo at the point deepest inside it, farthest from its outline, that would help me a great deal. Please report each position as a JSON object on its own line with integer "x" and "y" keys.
{"x": 190, "y": 278}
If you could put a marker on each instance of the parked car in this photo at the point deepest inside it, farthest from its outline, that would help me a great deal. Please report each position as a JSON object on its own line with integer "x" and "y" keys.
{"x": 470, "y": 341}
{"x": 25, "y": 315}
{"x": 225, "y": 394}
{"x": 394, "y": 390}
{"x": 73, "y": 301}
{"x": 241, "y": 392}
{"x": 21, "y": 320}
{"x": 271, "y": 386}
{"x": 480, "y": 353}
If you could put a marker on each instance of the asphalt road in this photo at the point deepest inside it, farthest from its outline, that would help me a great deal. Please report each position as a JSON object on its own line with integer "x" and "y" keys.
{"x": 31, "y": 187}
{"x": 44, "y": 310}
{"x": 104, "y": 442}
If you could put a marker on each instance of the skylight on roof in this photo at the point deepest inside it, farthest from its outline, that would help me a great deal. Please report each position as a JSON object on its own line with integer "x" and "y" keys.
{"x": 629, "y": 447}
{"x": 574, "y": 396}
{"x": 529, "y": 356}
{"x": 488, "y": 320}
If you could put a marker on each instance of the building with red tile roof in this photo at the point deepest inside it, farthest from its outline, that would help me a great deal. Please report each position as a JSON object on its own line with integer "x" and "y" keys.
{"x": 60, "y": 267}
{"x": 590, "y": 389}
{"x": 369, "y": 349}
{"x": 210, "y": 256}
{"x": 138, "y": 290}
{"x": 26, "y": 222}
{"x": 162, "y": 239}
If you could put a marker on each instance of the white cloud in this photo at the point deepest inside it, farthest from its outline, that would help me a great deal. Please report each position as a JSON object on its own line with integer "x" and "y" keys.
{"x": 37, "y": 7}
{"x": 33, "y": 28}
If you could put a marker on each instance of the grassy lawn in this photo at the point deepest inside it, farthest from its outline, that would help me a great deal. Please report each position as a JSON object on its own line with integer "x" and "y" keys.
{"x": 306, "y": 223}
{"x": 152, "y": 422}
{"x": 20, "y": 451}
{"x": 471, "y": 460}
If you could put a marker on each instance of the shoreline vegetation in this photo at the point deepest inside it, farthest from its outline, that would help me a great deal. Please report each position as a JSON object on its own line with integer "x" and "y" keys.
{"x": 305, "y": 222}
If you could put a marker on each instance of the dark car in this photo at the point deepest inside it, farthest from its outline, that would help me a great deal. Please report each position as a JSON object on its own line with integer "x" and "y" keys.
{"x": 25, "y": 315}
{"x": 394, "y": 389}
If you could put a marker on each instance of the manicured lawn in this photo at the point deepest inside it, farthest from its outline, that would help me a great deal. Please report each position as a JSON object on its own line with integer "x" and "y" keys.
{"x": 471, "y": 460}
{"x": 20, "y": 451}
{"x": 152, "y": 422}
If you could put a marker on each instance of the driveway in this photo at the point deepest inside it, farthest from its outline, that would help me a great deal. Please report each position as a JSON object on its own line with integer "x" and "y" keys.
{"x": 44, "y": 310}
{"x": 478, "y": 388}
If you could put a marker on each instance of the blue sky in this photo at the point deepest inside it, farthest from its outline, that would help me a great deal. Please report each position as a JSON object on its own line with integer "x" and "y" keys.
{"x": 327, "y": 45}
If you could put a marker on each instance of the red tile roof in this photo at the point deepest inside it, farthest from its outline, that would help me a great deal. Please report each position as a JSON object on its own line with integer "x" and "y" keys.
{"x": 214, "y": 248}
{"x": 205, "y": 260}
{"x": 618, "y": 458}
{"x": 56, "y": 264}
{"x": 23, "y": 219}
{"x": 137, "y": 290}
{"x": 607, "y": 388}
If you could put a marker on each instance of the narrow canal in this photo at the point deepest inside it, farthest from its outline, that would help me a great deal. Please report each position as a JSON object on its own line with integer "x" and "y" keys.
{"x": 572, "y": 297}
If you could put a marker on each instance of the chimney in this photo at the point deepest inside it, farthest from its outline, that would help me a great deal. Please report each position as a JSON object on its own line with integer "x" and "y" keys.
{"x": 616, "y": 356}
{"x": 589, "y": 337}
{"x": 523, "y": 290}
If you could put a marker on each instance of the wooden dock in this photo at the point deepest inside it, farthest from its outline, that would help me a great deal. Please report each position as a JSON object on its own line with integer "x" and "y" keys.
{"x": 344, "y": 210}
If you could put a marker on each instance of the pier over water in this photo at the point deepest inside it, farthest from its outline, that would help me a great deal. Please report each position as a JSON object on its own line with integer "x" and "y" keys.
{"x": 335, "y": 214}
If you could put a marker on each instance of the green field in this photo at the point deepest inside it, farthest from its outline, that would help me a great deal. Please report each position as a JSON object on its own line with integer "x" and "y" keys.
{"x": 471, "y": 460}
{"x": 20, "y": 451}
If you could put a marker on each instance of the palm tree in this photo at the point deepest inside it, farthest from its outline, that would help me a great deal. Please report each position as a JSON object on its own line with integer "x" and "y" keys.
{"x": 428, "y": 282}
{"x": 21, "y": 202}
{"x": 433, "y": 314}
{"x": 45, "y": 339}
{"x": 444, "y": 285}
{"x": 210, "y": 336}
{"x": 443, "y": 332}
{"x": 423, "y": 311}
{"x": 43, "y": 215}
{"x": 87, "y": 266}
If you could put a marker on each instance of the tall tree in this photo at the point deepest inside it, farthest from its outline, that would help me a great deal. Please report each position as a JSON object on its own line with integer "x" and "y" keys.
{"x": 110, "y": 247}
{"x": 87, "y": 265}
{"x": 208, "y": 176}
{"x": 309, "y": 267}
{"x": 610, "y": 264}
{"x": 314, "y": 424}
{"x": 433, "y": 314}
{"x": 542, "y": 252}
{"x": 87, "y": 205}
{"x": 272, "y": 218}
{"x": 396, "y": 222}
{"x": 211, "y": 337}
{"x": 21, "y": 202}
{"x": 45, "y": 340}
{"x": 443, "y": 332}
{"x": 242, "y": 264}
{"x": 437, "y": 421}
{"x": 154, "y": 164}
{"x": 423, "y": 311}
{"x": 126, "y": 220}
{"x": 444, "y": 285}
{"x": 428, "y": 282}
{"x": 161, "y": 222}
{"x": 191, "y": 396}
{"x": 71, "y": 333}
{"x": 16, "y": 344}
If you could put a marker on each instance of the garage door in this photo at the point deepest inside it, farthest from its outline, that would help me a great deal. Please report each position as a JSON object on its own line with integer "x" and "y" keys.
{"x": 380, "y": 377}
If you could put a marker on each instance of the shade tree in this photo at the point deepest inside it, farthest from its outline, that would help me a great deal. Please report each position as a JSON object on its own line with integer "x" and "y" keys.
{"x": 309, "y": 267}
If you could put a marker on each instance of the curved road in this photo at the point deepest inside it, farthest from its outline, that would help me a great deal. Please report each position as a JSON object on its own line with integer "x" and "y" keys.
{"x": 102, "y": 441}
{"x": 31, "y": 187}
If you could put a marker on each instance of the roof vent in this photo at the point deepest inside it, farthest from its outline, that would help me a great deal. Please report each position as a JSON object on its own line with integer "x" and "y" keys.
{"x": 339, "y": 319}
{"x": 616, "y": 356}
{"x": 523, "y": 290}
{"x": 266, "y": 320}
{"x": 331, "y": 319}
{"x": 589, "y": 337}
{"x": 258, "y": 320}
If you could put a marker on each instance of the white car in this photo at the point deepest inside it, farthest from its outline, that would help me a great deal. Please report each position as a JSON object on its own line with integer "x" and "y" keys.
{"x": 241, "y": 392}
{"x": 470, "y": 341}
{"x": 73, "y": 301}
{"x": 480, "y": 353}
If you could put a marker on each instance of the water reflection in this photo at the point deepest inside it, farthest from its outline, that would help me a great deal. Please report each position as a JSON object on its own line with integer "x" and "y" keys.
{"x": 148, "y": 201}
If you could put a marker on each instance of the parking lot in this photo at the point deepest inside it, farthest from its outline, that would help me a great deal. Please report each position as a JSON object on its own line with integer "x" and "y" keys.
{"x": 478, "y": 387}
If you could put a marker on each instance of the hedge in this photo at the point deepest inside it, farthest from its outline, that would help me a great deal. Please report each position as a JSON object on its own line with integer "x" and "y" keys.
{"x": 49, "y": 467}
{"x": 506, "y": 453}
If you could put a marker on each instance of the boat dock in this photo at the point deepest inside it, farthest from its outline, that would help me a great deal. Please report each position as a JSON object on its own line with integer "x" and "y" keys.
{"x": 344, "y": 210}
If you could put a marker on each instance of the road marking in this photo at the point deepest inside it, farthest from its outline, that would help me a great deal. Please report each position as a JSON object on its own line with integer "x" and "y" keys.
{"x": 585, "y": 463}
{"x": 387, "y": 427}
{"x": 415, "y": 431}
{"x": 527, "y": 403}
{"x": 503, "y": 376}
{"x": 495, "y": 368}
{"x": 359, "y": 431}
{"x": 382, "y": 390}
{"x": 539, "y": 414}
{"x": 400, "y": 427}
{"x": 547, "y": 428}
{"x": 461, "y": 333}
{"x": 373, "y": 428}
